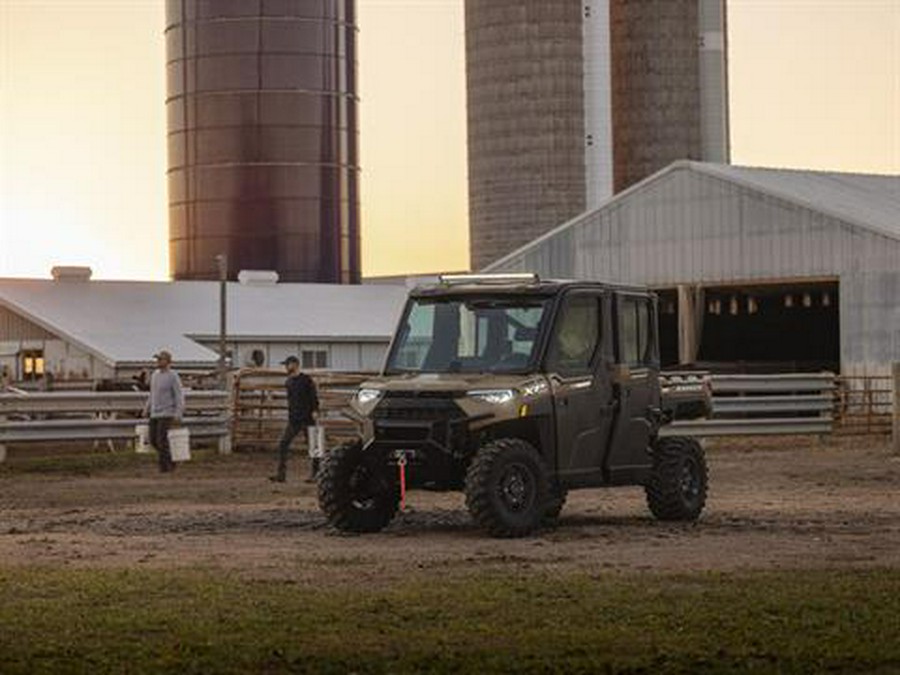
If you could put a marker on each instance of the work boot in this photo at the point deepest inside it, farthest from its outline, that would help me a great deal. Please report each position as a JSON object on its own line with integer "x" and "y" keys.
{"x": 313, "y": 470}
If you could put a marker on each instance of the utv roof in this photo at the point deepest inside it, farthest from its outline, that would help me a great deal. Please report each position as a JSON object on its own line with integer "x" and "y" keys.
{"x": 511, "y": 284}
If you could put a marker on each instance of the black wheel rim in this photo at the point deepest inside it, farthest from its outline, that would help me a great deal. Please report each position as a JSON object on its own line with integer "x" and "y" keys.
{"x": 689, "y": 483}
{"x": 362, "y": 489}
{"x": 516, "y": 488}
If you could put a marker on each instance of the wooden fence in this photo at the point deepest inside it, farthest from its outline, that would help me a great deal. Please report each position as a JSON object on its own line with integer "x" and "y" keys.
{"x": 259, "y": 406}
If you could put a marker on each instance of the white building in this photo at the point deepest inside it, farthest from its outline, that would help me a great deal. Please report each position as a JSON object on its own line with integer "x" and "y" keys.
{"x": 76, "y": 328}
{"x": 754, "y": 266}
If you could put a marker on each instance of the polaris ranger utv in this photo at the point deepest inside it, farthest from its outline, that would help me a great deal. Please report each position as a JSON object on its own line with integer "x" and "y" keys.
{"x": 516, "y": 390}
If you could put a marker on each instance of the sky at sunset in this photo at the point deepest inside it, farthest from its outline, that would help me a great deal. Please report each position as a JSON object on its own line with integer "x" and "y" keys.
{"x": 814, "y": 84}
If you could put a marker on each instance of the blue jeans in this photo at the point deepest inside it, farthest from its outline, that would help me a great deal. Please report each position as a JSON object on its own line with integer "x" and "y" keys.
{"x": 159, "y": 439}
{"x": 284, "y": 445}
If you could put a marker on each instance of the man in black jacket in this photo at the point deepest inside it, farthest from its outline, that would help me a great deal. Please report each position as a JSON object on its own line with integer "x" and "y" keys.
{"x": 303, "y": 403}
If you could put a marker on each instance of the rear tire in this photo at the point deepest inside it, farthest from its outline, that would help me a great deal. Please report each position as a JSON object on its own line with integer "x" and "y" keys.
{"x": 507, "y": 488}
{"x": 356, "y": 491}
{"x": 678, "y": 485}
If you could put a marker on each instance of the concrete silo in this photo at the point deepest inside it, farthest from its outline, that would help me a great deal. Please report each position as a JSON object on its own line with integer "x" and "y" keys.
{"x": 667, "y": 81}
{"x": 572, "y": 100}
{"x": 525, "y": 121}
{"x": 262, "y": 138}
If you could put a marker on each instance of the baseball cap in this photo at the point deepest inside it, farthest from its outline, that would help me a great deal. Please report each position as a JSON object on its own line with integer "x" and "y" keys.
{"x": 291, "y": 359}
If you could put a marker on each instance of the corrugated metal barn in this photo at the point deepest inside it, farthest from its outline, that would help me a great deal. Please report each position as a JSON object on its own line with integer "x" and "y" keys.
{"x": 756, "y": 268}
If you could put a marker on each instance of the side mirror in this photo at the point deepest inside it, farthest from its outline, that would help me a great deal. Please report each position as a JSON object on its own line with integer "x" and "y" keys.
{"x": 524, "y": 334}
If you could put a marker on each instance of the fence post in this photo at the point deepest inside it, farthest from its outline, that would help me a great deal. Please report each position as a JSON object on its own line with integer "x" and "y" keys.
{"x": 896, "y": 380}
{"x": 2, "y": 447}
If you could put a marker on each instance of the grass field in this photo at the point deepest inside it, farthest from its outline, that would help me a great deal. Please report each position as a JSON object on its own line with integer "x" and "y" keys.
{"x": 101, "y": 621}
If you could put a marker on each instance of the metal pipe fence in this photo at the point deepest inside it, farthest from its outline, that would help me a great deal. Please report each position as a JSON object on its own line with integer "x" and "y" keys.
{"x": 253, "y": 412}
{"x": 749, "y": 405}
{"x": 863, "y": 405}
{"x": 42, "y": 417}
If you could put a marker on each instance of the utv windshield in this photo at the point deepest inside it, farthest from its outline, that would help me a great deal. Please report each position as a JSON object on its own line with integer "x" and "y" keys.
{"x": 472, "y": 335}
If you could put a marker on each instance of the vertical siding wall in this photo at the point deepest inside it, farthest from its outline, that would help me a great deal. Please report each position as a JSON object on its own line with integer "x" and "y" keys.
{"x": 18, "y": 334}
{"x": 342, "y": 356}
{"x": 687, "y": 227}
{"x": 14, "y": 328}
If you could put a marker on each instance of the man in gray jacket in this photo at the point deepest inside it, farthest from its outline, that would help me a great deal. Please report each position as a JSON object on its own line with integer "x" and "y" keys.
{"x": 165, "y": 406}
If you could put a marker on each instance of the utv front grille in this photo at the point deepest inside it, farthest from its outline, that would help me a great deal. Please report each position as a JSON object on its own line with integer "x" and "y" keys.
{"x": 421, "y": 395}
{"x": 410, "y": 417}
{"x": 417, "y": 408}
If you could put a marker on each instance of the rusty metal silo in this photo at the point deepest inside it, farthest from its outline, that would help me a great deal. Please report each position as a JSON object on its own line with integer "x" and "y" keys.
{"x": 262, "y": 138}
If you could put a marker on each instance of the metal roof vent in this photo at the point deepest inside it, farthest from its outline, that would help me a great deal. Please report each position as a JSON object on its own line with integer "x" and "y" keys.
{"x": 71, "y": 273}
{"x": 257, "y": 277}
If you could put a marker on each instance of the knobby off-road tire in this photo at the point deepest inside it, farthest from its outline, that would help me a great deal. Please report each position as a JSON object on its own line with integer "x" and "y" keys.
{"x": 677, "y": 488}
{"x": 507, "y": 488}
{"x": 356, "y": 492}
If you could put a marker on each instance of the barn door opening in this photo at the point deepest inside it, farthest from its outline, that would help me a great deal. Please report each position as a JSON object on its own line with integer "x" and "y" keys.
{"x": 779, "y": 327}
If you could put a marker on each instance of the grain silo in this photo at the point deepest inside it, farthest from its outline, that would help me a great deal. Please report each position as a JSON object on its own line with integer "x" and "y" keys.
{"x": 570, "y": 101}
{"x": 262, "y": 136}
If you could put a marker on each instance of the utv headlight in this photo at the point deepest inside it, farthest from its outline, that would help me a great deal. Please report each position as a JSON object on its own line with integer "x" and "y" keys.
{"x": 364, "y": 396}
{"x": 494, "y": 396}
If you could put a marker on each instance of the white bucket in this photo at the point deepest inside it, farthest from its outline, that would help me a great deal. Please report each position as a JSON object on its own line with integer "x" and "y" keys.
{"x": 316, "y": 436}
{"x": 180, "y": 444}
{"x": 142, "y": 439}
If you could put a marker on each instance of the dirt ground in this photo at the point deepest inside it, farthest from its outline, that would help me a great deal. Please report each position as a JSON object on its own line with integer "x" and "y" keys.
{"x": 782, "y": 503}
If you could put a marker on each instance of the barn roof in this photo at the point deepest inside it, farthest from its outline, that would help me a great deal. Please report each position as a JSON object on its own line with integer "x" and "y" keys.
{"x": 128, "y": 321}
{"x": 867, "y": 201}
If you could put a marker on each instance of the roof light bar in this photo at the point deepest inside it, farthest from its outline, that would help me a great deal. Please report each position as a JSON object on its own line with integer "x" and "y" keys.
{"x": 516, "y": 277}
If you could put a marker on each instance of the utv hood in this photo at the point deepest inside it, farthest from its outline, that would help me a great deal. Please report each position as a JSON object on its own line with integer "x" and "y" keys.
{"x": 455, "y": 382}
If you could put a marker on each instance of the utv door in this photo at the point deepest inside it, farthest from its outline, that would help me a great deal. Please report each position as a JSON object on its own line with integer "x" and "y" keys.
{"x": 582, "y": 400}
{"x": 636, "y": 384}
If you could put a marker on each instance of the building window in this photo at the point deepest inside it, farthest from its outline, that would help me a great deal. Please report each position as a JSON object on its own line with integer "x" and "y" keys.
{"x": 314, "y": 358}
{"x": 32, "y": 365}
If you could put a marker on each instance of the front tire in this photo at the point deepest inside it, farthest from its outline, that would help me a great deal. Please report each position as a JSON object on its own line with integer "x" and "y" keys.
{"x": 507, "y": 488}
{"x": 356, "y": 491}
{"x": 678, "y": 485}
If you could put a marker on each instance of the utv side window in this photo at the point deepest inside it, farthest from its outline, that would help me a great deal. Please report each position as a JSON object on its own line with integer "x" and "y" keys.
{"x": 636, "y": 343}
{"x": 576, "y": 336}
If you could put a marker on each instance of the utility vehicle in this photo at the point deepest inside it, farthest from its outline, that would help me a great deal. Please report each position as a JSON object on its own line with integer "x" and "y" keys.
{"x": 516, "y": 390}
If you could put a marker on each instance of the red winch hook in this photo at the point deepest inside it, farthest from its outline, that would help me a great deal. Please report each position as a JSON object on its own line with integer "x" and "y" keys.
{"x": 401, "y": 465}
